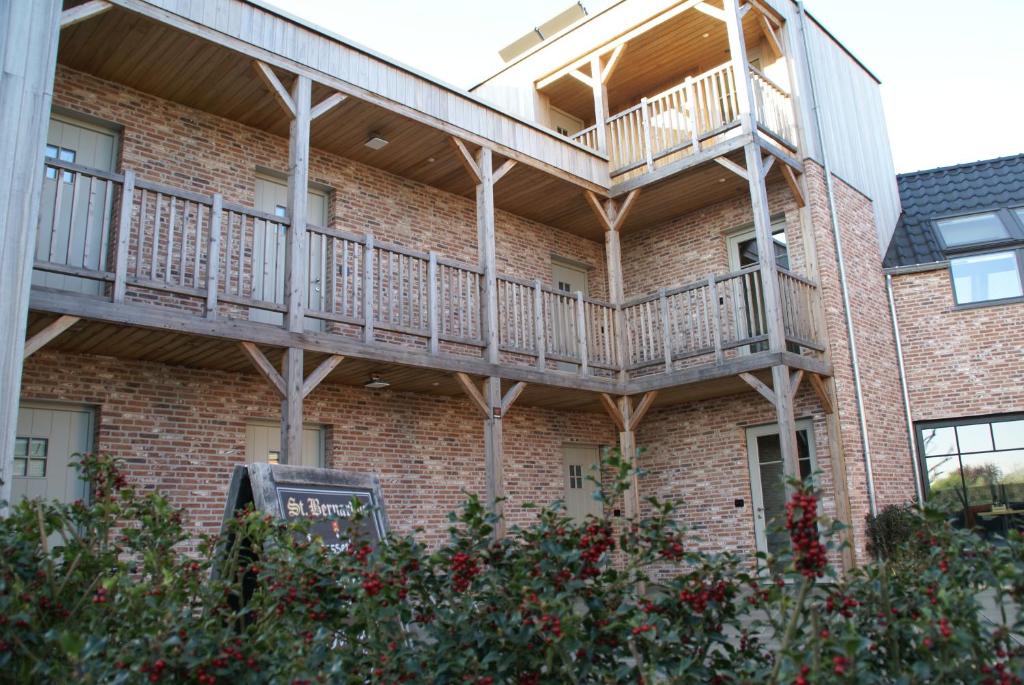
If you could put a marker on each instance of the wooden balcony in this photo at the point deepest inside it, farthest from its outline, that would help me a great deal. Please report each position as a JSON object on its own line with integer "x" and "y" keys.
{"x": 125, "y": 251}
{"x": 699, "y": 112}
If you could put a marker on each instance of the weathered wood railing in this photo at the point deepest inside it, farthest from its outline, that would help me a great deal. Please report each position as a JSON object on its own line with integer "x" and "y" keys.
{"x": 682, "y": 118}
{"x": 216, "y": 258}
{"x": 773, "y": 107}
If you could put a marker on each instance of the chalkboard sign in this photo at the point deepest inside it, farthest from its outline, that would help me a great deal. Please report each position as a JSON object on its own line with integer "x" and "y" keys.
{"x": 325, "y": 497}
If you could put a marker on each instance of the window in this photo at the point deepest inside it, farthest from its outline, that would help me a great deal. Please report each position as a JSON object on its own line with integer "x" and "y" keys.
{"x": 63, "y": 154}
{"x": 971, "y": 230}
{"x": 986, "y": 277}
{"x": 575, "y": 477}
{"x": 974, "y": 468}
{"x": 30, "y": 457}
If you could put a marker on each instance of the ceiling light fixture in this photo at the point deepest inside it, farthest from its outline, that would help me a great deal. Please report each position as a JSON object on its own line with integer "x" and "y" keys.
{"x": 376, "y": 141}
{"x": 376, "y": 383}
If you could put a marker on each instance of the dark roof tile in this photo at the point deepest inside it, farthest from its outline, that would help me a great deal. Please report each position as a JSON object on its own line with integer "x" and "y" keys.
{"x": 960, "y": 189}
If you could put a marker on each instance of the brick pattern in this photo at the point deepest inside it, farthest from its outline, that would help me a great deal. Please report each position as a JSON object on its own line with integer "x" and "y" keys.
{"x": 892, "y": 468}
{"x": 959, "y": 362}
{"x": 181, "y": 431}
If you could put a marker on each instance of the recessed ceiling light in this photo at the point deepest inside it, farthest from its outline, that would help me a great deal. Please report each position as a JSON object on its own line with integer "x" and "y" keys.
{"x": 376, "y": 141}
{"x": 376, "y": 383}
{"x": 706, "y": 35}
{"x": 721, "y": 180}
{"x": 430, "y": 160}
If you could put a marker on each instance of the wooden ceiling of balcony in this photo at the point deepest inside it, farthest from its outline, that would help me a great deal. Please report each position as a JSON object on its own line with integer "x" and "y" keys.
{"x": 655, "y": 61}
{"x": 137, "y": 52}
{"x": 211, "y": 354}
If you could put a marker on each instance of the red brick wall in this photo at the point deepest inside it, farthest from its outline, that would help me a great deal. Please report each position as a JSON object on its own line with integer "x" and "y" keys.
{"x": 181, "y": 430}
{"x": 891, "y": 462}
{"x": 959, "y": 362}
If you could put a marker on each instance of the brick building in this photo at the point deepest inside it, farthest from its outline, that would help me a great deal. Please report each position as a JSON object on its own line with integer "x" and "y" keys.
{"x": 257, "y": 241}
{"x": 954, "y": 270}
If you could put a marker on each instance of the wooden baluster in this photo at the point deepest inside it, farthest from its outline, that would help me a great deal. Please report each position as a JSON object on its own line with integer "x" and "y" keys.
{"x": 213, "y": 256}
{"x": 368, "y": 290}
{"x": 124, "y": 225}
{"x": 648, "y": 144}
{"x": 75, "y": 182}
{"x": 198, "y": 242}
{"x": 169, "y": 252}
{"x": 432, "y": 302}
{"x": 55, "y": 222}
{"x": 539, "y": 329}
{"x": 105, "y": 212}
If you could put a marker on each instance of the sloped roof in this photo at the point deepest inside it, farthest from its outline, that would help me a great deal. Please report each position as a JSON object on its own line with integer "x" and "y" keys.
{"x": 946, "y": 191}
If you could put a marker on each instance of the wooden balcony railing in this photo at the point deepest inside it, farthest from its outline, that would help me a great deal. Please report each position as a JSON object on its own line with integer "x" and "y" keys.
{"x": 680, "y": 119}
{"x": 176, "y": 248}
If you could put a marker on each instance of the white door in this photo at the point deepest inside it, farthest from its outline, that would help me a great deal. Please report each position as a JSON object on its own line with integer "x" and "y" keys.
{"x": 768, "y": 483}
{"x": 268, "y": 255}
{"x": 750, "y": 317}
{"x": 569, "y": 279}
{"x": 580, "y": 471}
{"x": 75, "y": 214}
{"x": 263, "y": 444}
{"x": 46, "y": 439}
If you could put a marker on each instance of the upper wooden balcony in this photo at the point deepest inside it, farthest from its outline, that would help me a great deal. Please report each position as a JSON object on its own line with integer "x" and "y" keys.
{"x": 694, "y": 114}
{"x": 123, "y": 251}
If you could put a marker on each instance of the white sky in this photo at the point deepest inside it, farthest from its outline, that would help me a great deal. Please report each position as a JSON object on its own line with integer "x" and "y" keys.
{"x": 952, "y": 72}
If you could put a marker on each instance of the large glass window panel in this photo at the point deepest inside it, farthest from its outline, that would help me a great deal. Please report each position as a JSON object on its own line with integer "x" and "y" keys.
{"x": 974, "y": 437}
{"x": 937, "y": 441}
{"x": 980, "y": 278}
{"x": 1009, "y": 435}
{"x": 968, "y": 230}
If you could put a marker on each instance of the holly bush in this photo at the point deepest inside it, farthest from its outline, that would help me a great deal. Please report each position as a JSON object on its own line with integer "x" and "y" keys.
{"x": 114, "y": 592}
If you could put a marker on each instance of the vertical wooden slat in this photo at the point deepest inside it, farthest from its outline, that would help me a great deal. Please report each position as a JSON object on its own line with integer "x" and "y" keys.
{"x": 169, "y": 252}
{"x": 105, "y": 212}
{"x": 539, "y": 334}
{"x": 198, "y": 241}
{"x": 75, "y": 183}
{"x": 581, "y": 333}
{"x": 714, "y": 312}
{"x": 666, "y": 335}
{"x": 124, "y": 226}
{"x": 648, "y": 143}
{"x": 213, "y": 256}
{"x": 140, "y": 245}
{"x": 55, "y": 223}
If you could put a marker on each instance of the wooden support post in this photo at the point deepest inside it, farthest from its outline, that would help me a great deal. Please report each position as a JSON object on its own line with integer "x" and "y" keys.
{"x": 600, "y": 90}
{"x": 29, "y": 33}
{"x": 494, "y": 460}
{"x": 581, "y": 333}
{"x": 432, "y": 310}
{"x": 213, "y": 256}
{"x": 296, "y": 278}
{"x": 787, "y": 422}
{"x": 368, "y": 289}
{"x": 291, "y": 407}
{"x": 52, "y": 330}
{"x": 485, "y": 242}
{"x": 741, "y": 71}
{"x": 124, "y": 229}
{"x": 540, "y": 335}
{"x": 627, "y": 445}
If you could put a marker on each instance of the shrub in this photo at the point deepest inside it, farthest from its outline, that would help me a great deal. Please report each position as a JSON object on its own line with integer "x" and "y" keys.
{"x": 896, "y": 535}
{"x": 113, "y": 601}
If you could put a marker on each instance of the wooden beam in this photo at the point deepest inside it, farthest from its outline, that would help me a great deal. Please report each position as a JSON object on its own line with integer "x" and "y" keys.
{"x": 818, "y": 385}
{"x": 466, "y": 159}
{"x": 327, "y": 104}
{"x": 494, "y": 455}
{"x": 52, "y": 330}
{"x": 487, "y": 251}
{"x": 88, "y": 10}
{"x": 502, "y": 170}
{"x": 767, "y": 166}
{"x": 794, "y": 381}
{"x": 599, "y": 210}
{"x": 291, "y": 407}
{"x": 754, "y": 382}
{"x": 769, "y": 34}
{"x": 794, "y": 185}
{"x": 766, "y": 12}
{"x": 613, "y": 61}
{"x": 511, "y": 396}
{"x": 612, "y": 215}
{"x": 320, "y": 373}
{"x": 613, "y": 411}
{"x": 469, "y": 387}
{"x": 623, "y": 211}
{"x": 263, "y": 365}
{"x": 710, "y": 10}
{"x": 580, "y": 76}
{"x": 275, "y": 87}
{"x": 620, "y": 40}
{"x": 641, "y": 409}
{"x": 733, "y": 167}
{"x": 296, "y": 260}
{"x": 600, "y": 93}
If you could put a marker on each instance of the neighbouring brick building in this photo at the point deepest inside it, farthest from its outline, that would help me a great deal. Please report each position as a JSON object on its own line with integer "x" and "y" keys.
{"x": 954, "y": 267}
{"x": 258, "y": 242}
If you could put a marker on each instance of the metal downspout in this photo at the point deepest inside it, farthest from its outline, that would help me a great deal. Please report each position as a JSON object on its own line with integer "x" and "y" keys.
{"x": 843, "y": 286}
{"x": 918, "y": 484}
